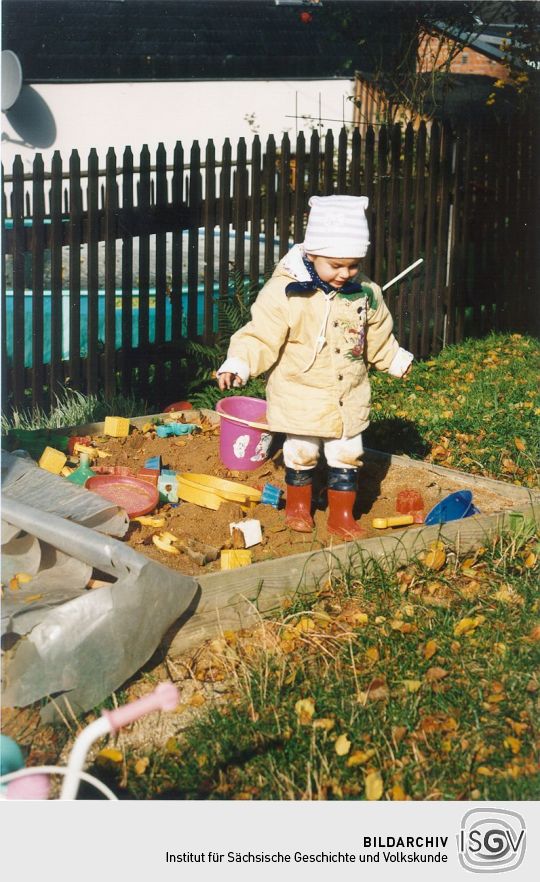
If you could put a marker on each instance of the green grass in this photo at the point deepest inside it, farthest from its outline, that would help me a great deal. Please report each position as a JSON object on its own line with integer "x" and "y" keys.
{"x": 427, "y": 712}
{"x": 73, "y": 408}
{"x": 475, "y": 407}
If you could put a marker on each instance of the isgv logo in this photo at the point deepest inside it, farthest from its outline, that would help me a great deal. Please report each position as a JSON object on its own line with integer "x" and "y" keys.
{"x": 491, "y": 840}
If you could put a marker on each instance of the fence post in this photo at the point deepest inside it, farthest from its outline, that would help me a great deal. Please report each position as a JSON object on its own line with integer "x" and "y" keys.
{"x": 356, "y": 150}
{"x": 111, "y": 205}
{"x": 284, "y": 194}
{"x": 177, "y": 243}
{"x": 443, "y": 232}
{"x": 418, "y": 235}
{"x": 314, "y": 164}
{"x": 370, "y": 213}
{"x": 255, "y": 211}
{"x": 126, "y": 378}
{"x": 269, "y": 186}
{"x": 161, "y": 267}
{"x": 342, "y": 162}
{"x": 380, "y": 224}
{"x": 75, "y": 220}
{"x": 92, "y": 199}
{"x": 193, "y": 239}
{"x": 224, "y": 218}
{"x": 57, "y": 321}
{"x": 239, "y": 206}
{"x": 17, "y": 211}
{"x": 393, "y": 226}
{"x": 299, "y": 188}
{"x": 143, "y": 205}
{"x": 433, "y": 186}
{"x": 209, "y": 223}
{"x": 328, "y": 170}
{"x": 38, "y": 249}
{"x": 405, "y": 244}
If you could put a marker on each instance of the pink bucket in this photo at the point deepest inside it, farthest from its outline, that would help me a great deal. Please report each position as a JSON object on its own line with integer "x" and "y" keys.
{"x": 243, "y": 447}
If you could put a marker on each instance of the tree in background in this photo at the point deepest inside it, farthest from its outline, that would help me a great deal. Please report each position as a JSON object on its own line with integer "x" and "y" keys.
{"x": 393, "y": 34}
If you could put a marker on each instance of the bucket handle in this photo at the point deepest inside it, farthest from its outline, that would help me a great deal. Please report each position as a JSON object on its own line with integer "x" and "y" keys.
{"x": 263, "y": 426}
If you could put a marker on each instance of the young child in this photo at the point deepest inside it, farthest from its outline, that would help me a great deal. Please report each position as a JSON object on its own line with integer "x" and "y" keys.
{"x": 316, "y": 328}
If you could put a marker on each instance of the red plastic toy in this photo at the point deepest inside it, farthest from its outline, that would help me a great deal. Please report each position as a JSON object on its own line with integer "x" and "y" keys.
{"x": 411, "y": 502}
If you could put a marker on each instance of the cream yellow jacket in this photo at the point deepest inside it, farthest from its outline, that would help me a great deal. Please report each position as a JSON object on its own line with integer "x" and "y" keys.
{"x": 316, "y": 349}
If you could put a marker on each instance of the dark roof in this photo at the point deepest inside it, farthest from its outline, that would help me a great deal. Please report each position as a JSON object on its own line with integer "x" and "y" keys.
{"x": 72, "y": 40}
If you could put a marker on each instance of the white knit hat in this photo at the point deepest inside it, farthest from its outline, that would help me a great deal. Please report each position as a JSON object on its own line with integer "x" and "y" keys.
{"x": 337, "y": 226}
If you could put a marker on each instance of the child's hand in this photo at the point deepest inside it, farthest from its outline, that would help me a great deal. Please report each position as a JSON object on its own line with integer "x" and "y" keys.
{"x": 227, "y": 380}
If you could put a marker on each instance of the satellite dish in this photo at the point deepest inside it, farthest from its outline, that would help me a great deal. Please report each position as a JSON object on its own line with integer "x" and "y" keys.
{"x": 11, "y": 79}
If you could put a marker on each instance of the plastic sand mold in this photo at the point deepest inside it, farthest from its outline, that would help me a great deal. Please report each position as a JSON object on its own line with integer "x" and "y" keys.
{"x": 135, "y": 496}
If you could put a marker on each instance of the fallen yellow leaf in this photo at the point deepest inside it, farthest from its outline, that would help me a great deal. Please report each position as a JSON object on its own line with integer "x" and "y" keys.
{"x": 342, "y": 745}
{"x": 412, "y": 685}
{"x": 373, "y": 653}
{"x": 430, "y": 649}
{"x": 485, "y": 771}
{"x": 374, "y": 785}
{"x": 435, "y": 559}
{"x": 110, "y": 754}
{"x": 197, "y": 700}
{"x": 141, "y": 765}
{"x": 468, "y": 625}
{"x": 530, "y": 561}
{"x": 324, "y": 723}
{"x": 358, "y": 757}
{"x": 513, "y": 744}
{"x": 305, "y": 708}
{"x": 397, "y": 793}
{"x": 435, "y": 673}
{"x": 520, "y": 444}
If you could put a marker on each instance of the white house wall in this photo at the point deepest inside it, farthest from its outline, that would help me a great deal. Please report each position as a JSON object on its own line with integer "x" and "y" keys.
{"x": 67, "y": 116}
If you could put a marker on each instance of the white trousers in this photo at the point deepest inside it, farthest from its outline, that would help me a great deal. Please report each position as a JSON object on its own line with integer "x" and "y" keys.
{"x": 301, "y": 452}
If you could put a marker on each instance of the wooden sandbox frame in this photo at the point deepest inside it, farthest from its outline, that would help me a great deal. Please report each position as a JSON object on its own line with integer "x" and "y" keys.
{"x": 235, "y": 599}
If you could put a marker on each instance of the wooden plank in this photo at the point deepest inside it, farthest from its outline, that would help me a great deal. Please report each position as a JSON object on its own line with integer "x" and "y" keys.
{"x": 193, "y": 240}
{"x": 224, "y": 218}
{"x": 209, "y": 218}
{"x": 369, "y": 163}
{"x": 92, "y": 329}
{"x": 74, "y": 232}
{"x": 283, "y": 201}
{"x": 143, "y": 202}
{"x": 394, "y": 226}
{"x": 4, "y": 366}
{"x": 355, "y": 185}
{"x": 177, "y": 243}
{"x": 432, "y": 188}
{"x": 380, "y": 210}
{"x": 255, "y": 216}
{"x": 240, "y": 206}
{"x": 328, "y": 167}
{"x": 38, "y": 214}
{"x": 300, "y": 201}
{"x": 342, "y": 161}
{"x": 56, "y": 370}
{"x": 111, "y": 204}
{"x": 455, "y": 257}
{"x": 314, "y": 187}
{"x": 437, "y": 341}
{"x": 403, "y": 310}
{"x": 17, "y": 209}
{"x": 161, "y": 263}
{"x": 269, "y": 185}
{"x": 126, "y": 372}
{"x": 464, "y": 239}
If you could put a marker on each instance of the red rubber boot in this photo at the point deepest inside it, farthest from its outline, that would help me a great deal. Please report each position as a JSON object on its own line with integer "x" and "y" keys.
{"x": 340, "y": 517}
{"x": 298, "y": 508}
